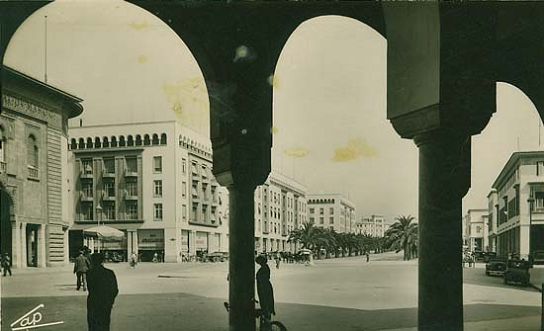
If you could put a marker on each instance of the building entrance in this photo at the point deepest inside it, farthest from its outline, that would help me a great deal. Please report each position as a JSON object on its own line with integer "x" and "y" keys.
{"x": 32, "y": 245}
{"x": 5, "y": 224}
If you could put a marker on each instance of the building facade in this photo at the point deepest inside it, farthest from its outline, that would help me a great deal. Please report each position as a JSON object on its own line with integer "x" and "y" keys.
{"x": 332, "y": 211}
{"x": 33, "y": 170}
{"x": 476, "y": 230}
{"x": 152, "y": 181}
{"x": 516, "y": 205}
{"x": 373, "y": 225}
{"x": 280, "y": 207}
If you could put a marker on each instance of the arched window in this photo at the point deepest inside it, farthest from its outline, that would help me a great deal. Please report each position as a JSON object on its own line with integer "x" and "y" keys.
{"x": 81, "y": 143}
{"x": 155, "y": 139}
{"x": 97, "y": 143}
{"x": 122, "y": 142}
{"x": 89, "y": 142}
{"x": 147, "y": 142}
{"x": 32, "y": 151}
{"x": 130, "y": 141}
{"x": 105, "y": 142}
{"x": 113, "y": 141}
{"x": 163, "y": 139}
{"x": 138, "y": 140}
{"x": 73, "y": 144}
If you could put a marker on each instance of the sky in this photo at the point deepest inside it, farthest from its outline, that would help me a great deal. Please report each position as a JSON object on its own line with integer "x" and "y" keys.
{"x": 329, "y": 103}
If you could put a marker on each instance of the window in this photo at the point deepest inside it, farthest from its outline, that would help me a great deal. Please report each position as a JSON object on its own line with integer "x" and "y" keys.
{"x": 331, "y": 211}
{"x": 321, "y": 211}
{"x": 321, "y": 220}
{"x": 312, "y": 220}
{"x": 157, "y": 164}
{"x": 539, "y": 200}
{"x": 540, "y": 168}
{"x": 157, "y": 188}
{"x": 183, "y": 166}
{"x": 109, "y": 188}
{"x": 157, "y": 211}
{"x": 331, "y": 220}
{"x": 109, "y": 211}
{"x": 87, "y": 211}
{"x": 131, "y": 186}
{"x": 311, "y": 210}
{"x": 132, "y": 210}
{"x": 163, "y": 139}
{"x": 109, "y": 166}
{"x": 183, "y": 189}
{"x": 87, "y": 188}
{"x": 184, "y": 212}
{"x": 132, "y": 164}
{"x": 87, "y": 166}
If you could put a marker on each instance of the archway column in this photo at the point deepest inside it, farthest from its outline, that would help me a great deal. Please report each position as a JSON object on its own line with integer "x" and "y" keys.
{"x": 443, "y": 181}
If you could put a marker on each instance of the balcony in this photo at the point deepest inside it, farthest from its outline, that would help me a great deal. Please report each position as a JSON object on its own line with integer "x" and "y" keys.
{"x": 86, "y": 196}
{"x": 108, "y": 174}
{"x": 131, "y": 173}
{"x": 109, "y": 197}
{"x": 130, "y": 195}
{"x": 3, "y": 167}
{"x": 33, "y": 173}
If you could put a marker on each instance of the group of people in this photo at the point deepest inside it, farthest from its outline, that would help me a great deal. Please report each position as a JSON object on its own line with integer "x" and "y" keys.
{"x": 101, "y": 284}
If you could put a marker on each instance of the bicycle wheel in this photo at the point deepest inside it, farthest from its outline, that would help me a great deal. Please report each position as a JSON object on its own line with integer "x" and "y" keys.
{"x": 277, "y": 326}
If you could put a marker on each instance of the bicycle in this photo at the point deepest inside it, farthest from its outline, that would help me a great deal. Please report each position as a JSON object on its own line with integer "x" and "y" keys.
{"x": 264, "y": 323}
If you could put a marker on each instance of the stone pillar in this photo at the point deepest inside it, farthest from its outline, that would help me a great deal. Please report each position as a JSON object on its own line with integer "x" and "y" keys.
{"x": 241, "y": 256}
{"x": 66, "y": 248}
{"x": 16, "y": 258}
{"x": 444, "y": 178}
{"x": 42, "y": 255}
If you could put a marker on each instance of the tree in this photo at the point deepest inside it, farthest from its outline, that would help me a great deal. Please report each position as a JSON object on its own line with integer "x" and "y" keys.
{"x": 403, "y": 235}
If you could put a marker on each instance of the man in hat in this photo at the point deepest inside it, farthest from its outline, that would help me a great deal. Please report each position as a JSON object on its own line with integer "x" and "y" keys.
{"x": 81, "y": 266}
{"x": 103, "y": 289}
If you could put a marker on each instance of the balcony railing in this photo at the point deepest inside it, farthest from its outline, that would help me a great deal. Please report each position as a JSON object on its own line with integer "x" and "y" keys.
{"x": 33, "y": 172}
{"x": 108, "y": 174}
{"x": 130, "y": 195}
{"x": 86, "y": 196}
{"x": 3, "y": 167}
{"x": 131, "y": 173}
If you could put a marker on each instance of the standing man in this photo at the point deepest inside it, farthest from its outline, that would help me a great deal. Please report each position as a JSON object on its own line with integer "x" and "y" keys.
{"x": 81, "y": 266}
{"x": 367, "y": 256}
{"x": 102, "y": 292}
{"x": 6, "y": 264}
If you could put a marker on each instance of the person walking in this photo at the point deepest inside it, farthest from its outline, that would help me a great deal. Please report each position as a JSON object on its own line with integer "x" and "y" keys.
{"x": 278, "y": 259}
{"x": 264, "y": 288}
{"x": 133, "y": 260}
{"x": 103, "y": 290}
{"x": 155, "y": 257}
{"x": 367, "y": 256}
{"x": 6, "y": 264}
{"x": 81, "y": 266}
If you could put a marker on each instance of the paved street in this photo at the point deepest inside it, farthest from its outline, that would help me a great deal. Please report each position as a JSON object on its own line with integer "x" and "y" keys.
{"x": 336, "y": 294}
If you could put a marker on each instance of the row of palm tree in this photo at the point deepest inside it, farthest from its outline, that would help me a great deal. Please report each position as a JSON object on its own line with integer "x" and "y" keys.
{"x": 402, "y": 235}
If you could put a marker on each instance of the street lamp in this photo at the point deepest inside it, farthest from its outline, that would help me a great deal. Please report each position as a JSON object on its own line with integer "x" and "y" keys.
{"x": 531, "y": 201}
{"x": 98, "y": 215}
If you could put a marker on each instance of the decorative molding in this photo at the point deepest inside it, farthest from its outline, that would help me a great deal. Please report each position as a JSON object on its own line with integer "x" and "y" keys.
{"x": 27, "y": 108}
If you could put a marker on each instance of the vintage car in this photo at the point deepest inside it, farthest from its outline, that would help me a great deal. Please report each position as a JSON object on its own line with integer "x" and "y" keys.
{"x": 538, "y": 257}
{"x": 218, "y": 256}
{"x": 517, "y": 271}
{"x": 495, "y": 267}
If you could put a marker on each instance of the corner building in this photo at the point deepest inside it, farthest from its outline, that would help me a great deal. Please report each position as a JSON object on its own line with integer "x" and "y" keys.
{"x": 34, "y": 199}
{"x": 332, "y": 211}
{"x": 152, "y": 181}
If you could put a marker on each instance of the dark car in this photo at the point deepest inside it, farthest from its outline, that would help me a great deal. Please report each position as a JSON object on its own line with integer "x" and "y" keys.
{"x": 488, "y": 256}
{"x": 495, "y": 267}
{"x": 478, "y": 256}
{"x": 517, "y": 271}
{"x": 218, "y": 257}
{"x": 538, "y": 257}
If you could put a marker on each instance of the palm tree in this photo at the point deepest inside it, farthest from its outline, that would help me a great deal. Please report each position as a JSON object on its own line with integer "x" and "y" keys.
{"x": 403, "y": 235}
{"x": 307, "y": 235}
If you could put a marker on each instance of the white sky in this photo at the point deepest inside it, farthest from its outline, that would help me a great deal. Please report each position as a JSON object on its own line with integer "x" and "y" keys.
{"x": 331, "y": 131}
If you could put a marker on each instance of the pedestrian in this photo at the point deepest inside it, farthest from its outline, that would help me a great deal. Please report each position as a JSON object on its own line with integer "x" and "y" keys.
{"x": 264, "y": 288}
{"x": 103, "y": 289}
{"x": 367, "y": 256}
{"x": 278, "y": 259}
{"x": 155, "y": 257}
{"x": 133, "y": 260}
{"x": 81, "y": 266}
{"x": 6, "y": 264}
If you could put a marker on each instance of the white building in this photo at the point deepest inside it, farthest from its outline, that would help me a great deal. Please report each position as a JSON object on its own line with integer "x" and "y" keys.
{"x": 476, "y": 230}
{"x": 151, "y": 180}
{"x": 331, "y": 211}
{"x": 373, "y": 225}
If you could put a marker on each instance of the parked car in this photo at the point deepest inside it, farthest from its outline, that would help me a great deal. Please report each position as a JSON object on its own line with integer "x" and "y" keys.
{"x": 478, "y": 256}
{"x": 218, "y": 256}
{"x": 517, "y": 271}
{"x": 489, "y": 255}
{"x": 496, "y": 266}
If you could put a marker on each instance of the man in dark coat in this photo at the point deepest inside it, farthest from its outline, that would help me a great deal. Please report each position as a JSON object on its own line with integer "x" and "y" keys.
{"x": 264, "y": 288}
{"x": 103, "y": 289}
{"x": 6, "y": 263}
{"x": 81, "y": 266}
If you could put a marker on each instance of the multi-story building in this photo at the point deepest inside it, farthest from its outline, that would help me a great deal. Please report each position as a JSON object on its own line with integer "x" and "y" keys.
{"x": 476, "y": 230}
{"x": 373, "y": 225}
{"x": 33, "y": 170}
{"x": 280, "y": 207}
{"x": 520, "y": 181}
{"x": 492, "y": 222}
{"x": 331, "y": 211}
{"x": 152, "y": 181}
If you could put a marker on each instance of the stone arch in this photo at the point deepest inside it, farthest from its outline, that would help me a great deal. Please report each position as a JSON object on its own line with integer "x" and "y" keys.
{"x": 81, "y": 144}
{"x": 105, "y": 142}
{"x": 155, "y": 139}
{"x": 7, "y": 218}
{"x": 122, "y": 141}
{"x": 113, "y": 141}
{"x": 73, "y": 143}
{"x": 130, "y": 140}
{"x": 163, "y": 139}
{"x": 89, "y": 142}
{"x": 138, "y": 140}
{"x": 97, "y": 143}
{"x": 147, "y": 141}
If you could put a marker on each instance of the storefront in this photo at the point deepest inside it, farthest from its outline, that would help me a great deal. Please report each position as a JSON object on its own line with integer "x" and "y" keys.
{"x": 149, "y": 243}
{"x": 185, "y": 241}
{"x": 201, "y": 241}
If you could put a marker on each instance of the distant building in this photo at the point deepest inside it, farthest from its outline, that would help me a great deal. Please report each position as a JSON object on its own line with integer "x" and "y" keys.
{"x": 33, "y": 170}
{"x": 476, "y": 230}
{"x": 373, "y": 225}
{"x": 331, "y": 211}
{"x": 280, "y": 207}
{"x": 152, "y": 181}
{"x": 521, "y": 178}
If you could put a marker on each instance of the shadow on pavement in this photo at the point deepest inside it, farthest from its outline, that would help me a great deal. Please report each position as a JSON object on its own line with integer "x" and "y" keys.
{"x": 189, "y": 312}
